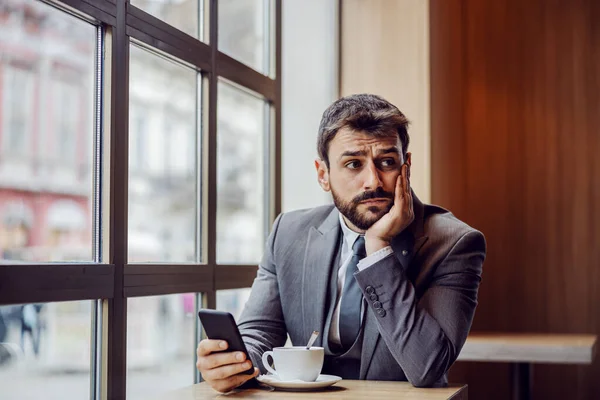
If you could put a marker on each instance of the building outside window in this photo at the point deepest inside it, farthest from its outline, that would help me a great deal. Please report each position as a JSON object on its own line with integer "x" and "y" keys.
{"x": 17, "y": 100}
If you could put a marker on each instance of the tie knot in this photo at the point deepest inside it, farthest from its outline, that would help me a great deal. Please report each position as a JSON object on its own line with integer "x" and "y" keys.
{"x": 359, "y": 247}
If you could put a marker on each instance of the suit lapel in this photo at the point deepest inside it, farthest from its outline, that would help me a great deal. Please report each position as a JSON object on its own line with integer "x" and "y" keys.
{"x": 405, "y": 246}
{"x": 320, "y": 252}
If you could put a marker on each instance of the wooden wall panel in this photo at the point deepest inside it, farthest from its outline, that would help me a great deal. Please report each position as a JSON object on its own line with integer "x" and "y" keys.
{"x": 515, "y": 113}
{"x": 447, "y": 98}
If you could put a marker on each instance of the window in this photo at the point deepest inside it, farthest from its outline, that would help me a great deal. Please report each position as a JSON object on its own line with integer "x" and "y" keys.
{"x": 47, "y": 135}
{"x": 163, "y": 202}
{"x": 66, "y": 120}
{"x": 18, "y": 100}
{"x": 240, "y": 207}
{"x": 137, "y": 140}
{"x": 45, "y": 348}
{"x": 160, "y": 344}
{"x": 137, "y": 158}
{"x": 242, "y": 31}
{"x": 232, "y": 301}
{"x": 182, "y": 14}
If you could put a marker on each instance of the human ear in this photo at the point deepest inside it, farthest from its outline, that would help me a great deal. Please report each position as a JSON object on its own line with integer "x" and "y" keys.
{"x": 322, "y": 174}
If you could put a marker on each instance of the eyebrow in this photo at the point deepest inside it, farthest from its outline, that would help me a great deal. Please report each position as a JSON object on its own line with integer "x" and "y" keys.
{"x": 357, "y": 153}
{"x": 389, "y": 150}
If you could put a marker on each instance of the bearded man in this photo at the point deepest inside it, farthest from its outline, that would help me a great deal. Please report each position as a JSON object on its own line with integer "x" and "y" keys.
{"x": 391, "y": 282}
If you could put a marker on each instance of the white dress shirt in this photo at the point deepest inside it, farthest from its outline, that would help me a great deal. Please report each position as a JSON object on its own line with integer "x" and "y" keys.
{"x": 346, "y": 255}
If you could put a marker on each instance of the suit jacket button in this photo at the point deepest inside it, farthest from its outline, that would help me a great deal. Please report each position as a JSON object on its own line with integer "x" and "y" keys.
{"x": 370, "y": 290}
{"x": 381, "y": 312}
{"x": 377, "y": 305}
{"x": 373, "y": 297}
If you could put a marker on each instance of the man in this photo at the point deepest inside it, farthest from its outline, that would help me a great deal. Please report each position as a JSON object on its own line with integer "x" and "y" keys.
{"x": 390, "y": 282}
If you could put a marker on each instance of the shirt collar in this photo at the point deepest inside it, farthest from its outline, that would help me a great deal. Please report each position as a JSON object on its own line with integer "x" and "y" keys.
{"x": 349, "y": 235}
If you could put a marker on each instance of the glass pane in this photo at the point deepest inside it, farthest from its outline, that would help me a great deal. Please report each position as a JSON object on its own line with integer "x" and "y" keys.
{"x": 242, "y": 31}
{"x": 45, "y": 351}
{"x": 46, "y": 133}
{"x": 182, "y": 14}
{"x": 161, "y": 344}
{"x": 240, "y": 183}
{"x": 232, "y": 301}
{"x": 162, "y": 159}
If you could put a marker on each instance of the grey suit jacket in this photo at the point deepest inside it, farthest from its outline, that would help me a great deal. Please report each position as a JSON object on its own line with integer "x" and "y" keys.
{"x": 427, "y": 290}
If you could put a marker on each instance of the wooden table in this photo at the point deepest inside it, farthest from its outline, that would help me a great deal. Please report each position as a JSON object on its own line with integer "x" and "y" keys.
{"x": 522, "y": 350}
{"x": 345, "y": 389}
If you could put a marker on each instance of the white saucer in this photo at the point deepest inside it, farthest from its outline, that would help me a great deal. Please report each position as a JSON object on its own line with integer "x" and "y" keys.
{"x": 321, "y": 382}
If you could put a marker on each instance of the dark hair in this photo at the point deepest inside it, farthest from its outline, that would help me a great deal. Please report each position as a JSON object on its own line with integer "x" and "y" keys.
{"x": 361, "y": 112}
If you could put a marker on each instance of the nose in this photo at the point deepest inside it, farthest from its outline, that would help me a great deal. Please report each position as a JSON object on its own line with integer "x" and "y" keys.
{"x": 372, "y": 178}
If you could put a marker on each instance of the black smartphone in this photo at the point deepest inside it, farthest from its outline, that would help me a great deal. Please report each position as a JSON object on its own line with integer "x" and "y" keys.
{"x": 220, "y": 325}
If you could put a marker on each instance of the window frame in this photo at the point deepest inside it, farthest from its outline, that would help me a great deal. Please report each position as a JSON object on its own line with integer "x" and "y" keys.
{"x": 112, "y": 279}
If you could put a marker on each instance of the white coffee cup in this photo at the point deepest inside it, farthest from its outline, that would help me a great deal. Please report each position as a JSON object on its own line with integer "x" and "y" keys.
{"x": 296, "y": 362}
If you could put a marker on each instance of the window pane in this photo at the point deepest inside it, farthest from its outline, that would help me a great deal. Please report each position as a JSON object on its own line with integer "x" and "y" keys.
{"x": 232, "y": 301}
{"x": 46, "y": 133}
{"x": 240, "y": 183}
{"x": 182, "y": 14}
{"x": 162, "y": 159}
{"x": 242, "y": 31}
{"x": 45, "y": 351}
{"x": 161, "y": 344}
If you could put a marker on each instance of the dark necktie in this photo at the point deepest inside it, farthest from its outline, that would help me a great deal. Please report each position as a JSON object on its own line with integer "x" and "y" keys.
{"x": 349, "y": 320}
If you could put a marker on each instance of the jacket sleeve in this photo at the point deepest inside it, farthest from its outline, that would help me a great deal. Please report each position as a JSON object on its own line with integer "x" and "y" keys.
{"x": 426, "y": 335}
{"x": 261, "y": 324}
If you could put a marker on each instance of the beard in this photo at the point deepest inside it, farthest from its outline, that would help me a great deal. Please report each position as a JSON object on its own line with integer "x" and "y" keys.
{"x": 363, "y": 221}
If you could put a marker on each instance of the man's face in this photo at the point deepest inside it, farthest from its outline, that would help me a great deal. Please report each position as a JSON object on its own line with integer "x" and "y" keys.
{"x": 362, "y": 175}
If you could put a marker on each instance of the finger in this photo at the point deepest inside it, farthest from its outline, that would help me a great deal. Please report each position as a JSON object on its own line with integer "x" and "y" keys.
{"x": 398, "y": 191}
{"x": 219, "y": 359}
{"x": 226, "y": 385}
{"x": 408, "y": 190}
{"x": 207, "y": 346}
{"x": 410, "y": 202}
{"x": 226, "y": 371}
{"x": 406, "y": 185}
{"x": 408, "y": 193}
{"x": 243, "y": 378}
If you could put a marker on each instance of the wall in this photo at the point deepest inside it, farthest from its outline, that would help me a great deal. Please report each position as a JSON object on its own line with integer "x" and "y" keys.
{"x": 515, "y": 101}
{"x": 311, "y": 82}
{"x": 385, "y": 51}
{"x": 309, "y": 86}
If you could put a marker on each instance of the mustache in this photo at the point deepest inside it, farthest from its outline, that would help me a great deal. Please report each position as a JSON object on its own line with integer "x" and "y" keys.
{"x": 379, "y": 193}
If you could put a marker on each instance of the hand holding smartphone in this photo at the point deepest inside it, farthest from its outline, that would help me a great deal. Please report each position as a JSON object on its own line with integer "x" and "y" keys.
{"x": 219, "y": 325}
